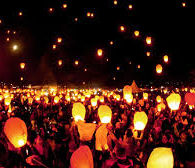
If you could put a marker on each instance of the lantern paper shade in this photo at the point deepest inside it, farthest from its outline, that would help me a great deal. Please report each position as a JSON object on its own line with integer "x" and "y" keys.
{"x": 99, "y": 52}
{"x": 86, "y": 130}
{"x": 190, "y": 98}
{"x": 159, "y": 68}
{"x": 127, "y": 93}
{"x": 145, "y": 96}
{"x": 104, "y": 113}
{"x": 173, "y": 101}
{"x": 161, "y": 158}
{"x": 22, "y": 65}
{"x": 149, "y": 40}
{"x": 140, "y": 120}
{"x": 158, "y": 99}
{"x": 82, "y": 158}
{"x": 16, "y": 131}
{"x": 166, "y": 58}
{"x": 101, "y": 138}
{"x": 78, "y": 111}
{"x": 93, "y": 102}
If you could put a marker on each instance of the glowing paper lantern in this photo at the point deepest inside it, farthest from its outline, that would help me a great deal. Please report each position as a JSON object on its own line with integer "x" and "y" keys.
{"x": 104, "y": 113}
{"x": 54, "y": 46}
{"x": 149, "y": 40}
{"x": 85, "y": 130}
{"x": 101, "y": 138}
{"x": 161, "y": 157}
{"x": 101, "y": 99}
{"x": 64, "y": 6}
{"x": 115, "y": 2}
{"x": 140, "y": 120}
{"x": 82, "y": 158}
{"x": 7, "y": 101}
{"x": 56, "y": 99}
{"x": 30, "y": 100}
{"x": 127, "y": 91}
{"x": 99, "y": 52}
{"x": 158, "y": 99}
{"x": 159, "y": 68}
{"x": 166, "y": 58}
{"x": 145, "y": 96}
{"x": 130, "y": 7}
{"x": 59, "y": 40}
{"x": 190, "y": 98}
{"x": 173, "y": 101}
{"x": 122, "y": 28}
{"x": 22, "y": 65}
{"x": 78, "y": 111}
{"x": 76, "y": 62}
{"x": 94, "y": 102}
{"x": 118, "y": 97}
{"x": 16, "y": 131}
{"x": 60, "y": 62}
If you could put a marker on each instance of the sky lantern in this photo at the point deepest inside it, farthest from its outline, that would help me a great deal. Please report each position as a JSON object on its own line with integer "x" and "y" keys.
{"x": 115, "y": 2}
{"x": 118, "y": 97}
{"x": 30, "y": 100}
{"x": 111, "y": 42}
{"x": 88, "y": 14}
{"x": 92, "y": 15}
{"x": 64, "y": 5}
{"x": 99, "y": 52}
{"x": 190, "y": 98}
{"x": 54, "y": 46}
{"x": 101, "y": 99}
{"x": 173, "y": 101}
{"x": 94, "y": 102}
{"x": 117, "y": 68}
{"x": 145, "y": 96}
{"x": 7, "y": 39}
{"x": 183, "y": 4}
{"x": 0, "y": 21}
{"x": 16, "y": 131}
{"x": 166, "y": 59}
{"x": 7, "y": 101}
{"x": 20, "y": 14}
{"x": 56, "y": 99}
{"x": 148, "y": 40}
{"x": 140, "y": 120}
{"x": 60, "y": 62}
{"x": 148, "y": 53}
{"x": 22, "y": 65}
{"x": 78, "y": 111}
{"x": 138, "y": 66}
{"x": 122, "y": 28}
{"x": 130, "y": 6}
{"x": 59, "y": 40}
{"x": 76, "y": 62}
{"x": 21, "y": 78}
{"x": 159, "y": 68}
{"x": 82, "y": 158}
{"x": 158, "y": 99}
{"x": 105, "y": 114}
{"x": 15, "y": 47}
{"x": 136, "y": 33}
{"x": 51, "y": 10}
{"x": 161, "y": 157}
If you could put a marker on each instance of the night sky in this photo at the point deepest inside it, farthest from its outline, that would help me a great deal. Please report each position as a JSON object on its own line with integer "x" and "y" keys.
{"x": 168, "y": 23}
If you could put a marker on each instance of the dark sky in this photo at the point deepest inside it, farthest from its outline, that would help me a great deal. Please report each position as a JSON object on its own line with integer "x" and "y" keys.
{"x": 170, "y": 25}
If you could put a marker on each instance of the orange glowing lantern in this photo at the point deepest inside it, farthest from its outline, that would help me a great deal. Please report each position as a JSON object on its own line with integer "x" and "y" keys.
{"x": 122, "y": 28}
{"x": 148, "y": 53}
{"x": 149, "y": 40}
{"x": 30, "y": 100}
{"x": 173, "y": 101}
{"x": 130, "y": 6}
{"x": 56, "y": 99}
{"x": 51, "y": 10}
{"x": 117, "y": 68}
{"x": 78, "y": 111}
{"x": 21, "y": 78}
{"x": 7, "y": 101}
{"x": 190, "y": 98}
{"x": 92, "y": 15}
{"x": 161, "y": 157}
{"x": 136, "y": 33}
{"x": 20, "y": 13}
{"x": 94, "y": 102}
{"x": 158, "y": 99}
{"x": 111, "y": 42}
{"x": 64, "y": 6}
{"x": 88, "y": 14}
{"x": 82, "y": 158}
{"x": 145, "y": 96}
{"x": 22, "y": 65}
{"x": 16, "y": 131}
{"x": 76, "y": 62}
{"x": 99, "y": 52}
{"x": 138, "y": 66}
{"x": 101, "y": 99}
{"x": 166, "y": 58}
{"x": 118, "y": 97}
{"x": 183, "y": 4}
{"x": 140, "y": 120}
{"x": 60, "y": 62}
{"x": 54, "y": 46}
{"x": 159, "y": 68}
{"x": 104, "y": 113}
{"x": 115, "y": 2}
{"x": 59, "y": 40}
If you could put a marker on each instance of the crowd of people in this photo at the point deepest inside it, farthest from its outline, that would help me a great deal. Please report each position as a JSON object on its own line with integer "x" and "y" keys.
{"x": 53, "y": 134}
